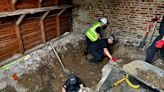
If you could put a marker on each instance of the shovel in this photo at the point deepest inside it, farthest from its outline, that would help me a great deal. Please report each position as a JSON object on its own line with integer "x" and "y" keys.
{"x": 67, "y": 72}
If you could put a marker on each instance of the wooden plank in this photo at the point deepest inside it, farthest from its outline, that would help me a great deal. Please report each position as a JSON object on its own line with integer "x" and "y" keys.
{"x": 33, "y": 44}
{"x": 50, "y": 25}
{"x": 8, "y": 42}
{"x": 6, "y": 30}
{"x": 7, "y": 55}
{"x": 47, "y": 23}
{"x": 30, "y": 41}
{"x": 53, "y": 32}
{"x": 32, "y": 11}
{"x": 24, "y": 4}
{"x": 49, "y": 3}
{"x": 146, "y": 73}
{"x": 6, "y": 35}
{"x": 4, "y": 6}
{"x": 13, "y": 36}
{"x": 8, "y": 48}
{"x": 30, "y": 30}
{"x": 31, "y": 35}
{"x": 29, "y": 23}
{"x": 50, "y": 29}
{"x": 58, "y": 25}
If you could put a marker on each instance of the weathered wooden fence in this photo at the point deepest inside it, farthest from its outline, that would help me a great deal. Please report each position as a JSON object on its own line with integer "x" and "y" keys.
{"x": 20, "y": 31}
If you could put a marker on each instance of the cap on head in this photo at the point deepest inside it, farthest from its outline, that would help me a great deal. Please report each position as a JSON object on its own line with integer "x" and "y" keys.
{"x": 112, "y": 37}
{"x": 104, "y": 20}
{"x": 72, "y": 80}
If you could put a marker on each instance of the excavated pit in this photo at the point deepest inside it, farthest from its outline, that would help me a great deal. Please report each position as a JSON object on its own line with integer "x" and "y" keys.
{"x": 42, "y": 71}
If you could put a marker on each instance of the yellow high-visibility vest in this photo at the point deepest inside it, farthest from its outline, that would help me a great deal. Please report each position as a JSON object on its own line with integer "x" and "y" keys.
{"x": 91, "y": 33}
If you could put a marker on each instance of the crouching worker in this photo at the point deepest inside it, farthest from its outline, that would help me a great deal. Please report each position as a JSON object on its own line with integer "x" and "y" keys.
{"x": 95, "y": 45}
{"x": 73, "y": 84}
{"x": 100, "y": 49}
{"x": 157, "y": 45}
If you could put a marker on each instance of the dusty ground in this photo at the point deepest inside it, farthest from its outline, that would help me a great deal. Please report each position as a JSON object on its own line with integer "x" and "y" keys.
{"x": 152, "y": 77}
{"x": 50, "y": 78}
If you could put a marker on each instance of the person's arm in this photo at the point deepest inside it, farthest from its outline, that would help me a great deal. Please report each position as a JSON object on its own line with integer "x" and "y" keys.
{"x": 160, "y": 43}
{"x": 63, "y": 89}
{"x": 81, "y": 86}
{"x": 106, "y": 51}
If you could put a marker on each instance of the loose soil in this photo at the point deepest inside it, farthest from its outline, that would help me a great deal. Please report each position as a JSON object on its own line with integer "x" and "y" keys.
{"x": 151, "y": 77}
{"x": 52, "y": 78}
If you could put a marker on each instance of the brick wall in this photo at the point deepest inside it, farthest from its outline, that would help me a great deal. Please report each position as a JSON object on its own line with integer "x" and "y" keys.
{"x": 127, "y": 17}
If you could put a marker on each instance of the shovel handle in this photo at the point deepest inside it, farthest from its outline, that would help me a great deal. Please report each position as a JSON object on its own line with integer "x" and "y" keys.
{"x": 57, "y": 56}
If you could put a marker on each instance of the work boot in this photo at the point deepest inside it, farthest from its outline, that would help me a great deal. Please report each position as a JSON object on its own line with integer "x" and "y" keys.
{"x": 150, "y": 62}
{"x": 85, "y": 55}
{"x": 91, "y": 61}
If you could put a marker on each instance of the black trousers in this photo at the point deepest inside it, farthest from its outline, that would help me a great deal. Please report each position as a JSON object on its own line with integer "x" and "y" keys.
{"x": 98, "y": 54}
{"x": 152, "y": 50}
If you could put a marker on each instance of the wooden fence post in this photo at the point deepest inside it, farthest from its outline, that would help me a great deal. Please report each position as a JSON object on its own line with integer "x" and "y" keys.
{"x": 18, "y": 33}
{"x": 40, "y": 3}
{"x": 42, "y": 26}
{"x": 13, "y": 3}
{"x": 58, "y": 21}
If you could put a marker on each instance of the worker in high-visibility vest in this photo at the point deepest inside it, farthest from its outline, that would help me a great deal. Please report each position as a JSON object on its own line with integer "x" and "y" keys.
{"x": 97, "y": 46}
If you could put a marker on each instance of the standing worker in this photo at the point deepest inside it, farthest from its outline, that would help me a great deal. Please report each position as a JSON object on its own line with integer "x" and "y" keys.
{"x": 95, "y": 45}
{"x": 73, "y": 84}
{"x": 157, "y": 45}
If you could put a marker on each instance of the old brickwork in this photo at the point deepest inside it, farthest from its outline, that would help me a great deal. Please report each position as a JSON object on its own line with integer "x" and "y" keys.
{"x": 127, "y": 17}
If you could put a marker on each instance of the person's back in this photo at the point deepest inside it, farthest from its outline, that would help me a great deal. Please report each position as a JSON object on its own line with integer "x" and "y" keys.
{"x": 73, "y": 84}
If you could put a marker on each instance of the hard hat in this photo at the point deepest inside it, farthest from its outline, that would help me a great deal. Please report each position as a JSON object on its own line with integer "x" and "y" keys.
{"x": 72, "y": 80}
{"x": 104, "y": 20}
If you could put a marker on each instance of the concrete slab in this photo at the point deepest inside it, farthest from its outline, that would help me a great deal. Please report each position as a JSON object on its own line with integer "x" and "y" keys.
{"x": 148, "y": 74}
{"x": 113, "y": 75}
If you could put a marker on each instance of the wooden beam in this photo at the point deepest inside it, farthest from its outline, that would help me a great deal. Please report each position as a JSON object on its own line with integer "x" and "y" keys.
{"x": 20, "y": 19}
{"x": 32, "y": 11}
{"x": 58, "y": 25}
{"x": 40, "y": 3}
{"x": 18, "y": 33}
{"x": 13, "y": 4}
{"x": 45, "y": 15}
{"x": 42, "y": 26}
{"x": 61, "y": 11}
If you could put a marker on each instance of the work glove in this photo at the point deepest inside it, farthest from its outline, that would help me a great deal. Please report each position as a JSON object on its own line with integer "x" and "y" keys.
{"x": 114, "y": 59}
{"x": 160, "y": 43}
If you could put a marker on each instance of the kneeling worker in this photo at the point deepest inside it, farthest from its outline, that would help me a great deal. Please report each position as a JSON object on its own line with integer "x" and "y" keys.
{"x": 95, "y": 45}
{"x": 100, "y": 49}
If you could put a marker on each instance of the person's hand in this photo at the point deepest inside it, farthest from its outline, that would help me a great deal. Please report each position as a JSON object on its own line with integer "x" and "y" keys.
{"x": 114, "y": 59}
{"x": 160, "y": 43}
